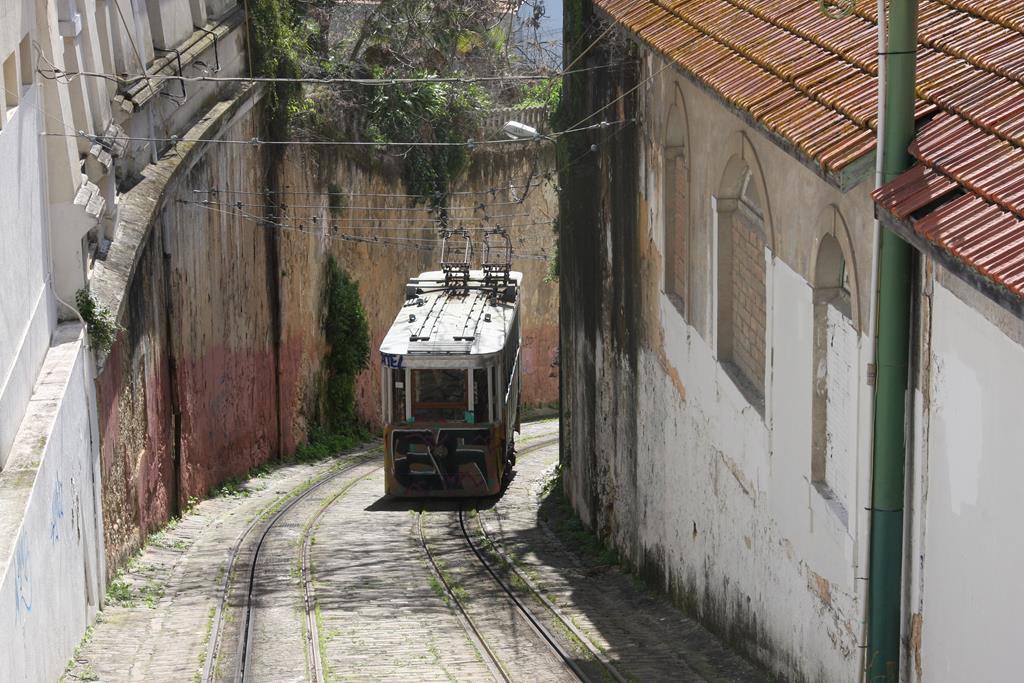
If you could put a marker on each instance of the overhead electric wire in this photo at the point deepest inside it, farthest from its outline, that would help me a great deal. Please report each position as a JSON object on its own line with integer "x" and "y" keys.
{"x": 428, "y": 209}
{"x": 55, "y": 73}
{"x": 286, "y": 206}
{"x": 549, "y": 175}
{"x": 379, "y": 195}
{"x": 398, "y": 242}
{"x": 579, "y": 124}
{"x": 313, "y": 220}
{"x": 256, "y": 142}
{"x": 384, "y": 219}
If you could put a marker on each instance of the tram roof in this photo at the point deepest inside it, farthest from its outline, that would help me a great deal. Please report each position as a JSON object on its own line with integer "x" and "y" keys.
{"x": 435, "y": 321}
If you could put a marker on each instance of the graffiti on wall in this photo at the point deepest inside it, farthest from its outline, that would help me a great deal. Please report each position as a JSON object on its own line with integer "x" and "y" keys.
{"x": 22, "y": 581}
{"x": 56, "y": 510}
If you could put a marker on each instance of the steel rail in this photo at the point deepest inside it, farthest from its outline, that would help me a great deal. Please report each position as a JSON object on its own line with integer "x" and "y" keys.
{"x": 552, "y": 608}
{"x": 316, "y": 668}
{"x": 216, "y": 632}
{"x": 247, "y": 633}
{"x": 525, "y": 611}
{"x": 491, "y": 660}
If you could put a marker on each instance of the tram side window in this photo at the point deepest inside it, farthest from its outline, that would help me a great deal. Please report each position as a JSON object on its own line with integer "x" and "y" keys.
{"x": 397, "y": 396}
{"x": 509, "y": 358}
{"x": 480, "y": 395}
{"x": 439, "y": 394}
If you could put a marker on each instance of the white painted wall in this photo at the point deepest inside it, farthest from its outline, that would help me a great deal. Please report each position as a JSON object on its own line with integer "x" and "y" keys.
{"x": 51, "y": 573}
{"x": 26, "y": 311}
{"x": 724, "y": 495}
{"x": 841, "y": 409}
{"x": 51, "y": 546}
{"x": 732, "y": 503}
{"x": 971, "y": 531}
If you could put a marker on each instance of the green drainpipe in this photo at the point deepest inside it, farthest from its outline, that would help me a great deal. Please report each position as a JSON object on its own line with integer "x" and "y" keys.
{"x": 895, "y": 262}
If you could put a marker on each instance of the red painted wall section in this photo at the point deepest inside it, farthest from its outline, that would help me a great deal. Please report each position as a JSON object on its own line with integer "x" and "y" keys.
{"x": 136, "y": 448}
{"x": 540, "y": 364}
{"x": 228, "y": 415}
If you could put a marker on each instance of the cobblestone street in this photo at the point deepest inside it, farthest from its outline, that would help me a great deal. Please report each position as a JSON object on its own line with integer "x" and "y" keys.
{"x": 395, "y": 591}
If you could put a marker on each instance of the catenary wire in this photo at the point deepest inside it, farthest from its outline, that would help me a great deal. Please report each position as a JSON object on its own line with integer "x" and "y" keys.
{"x": 256, "y": 142}
{"x": 55, "y": 73}
{"x": 318, "y": 221}
{"x": 377, "y": 195}
{"x": 406, "y": 243}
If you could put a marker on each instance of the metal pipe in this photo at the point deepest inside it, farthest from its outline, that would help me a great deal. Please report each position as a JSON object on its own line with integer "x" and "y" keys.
{"x": 866, "y": 434}
{"x": 892, "y": 354}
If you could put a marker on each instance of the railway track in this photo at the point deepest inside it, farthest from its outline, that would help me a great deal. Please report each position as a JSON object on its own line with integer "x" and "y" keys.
{"x": 317, "y": 671}
{"x": 596, "y": 653}
{"x": 477, "y": 634}
{"x": 264, "y": 525}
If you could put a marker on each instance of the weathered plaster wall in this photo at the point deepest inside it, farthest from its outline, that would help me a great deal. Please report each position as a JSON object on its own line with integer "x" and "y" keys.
{"x": 707, "y": 494}
{"x": 380, "y": 268}
{"x": 530, "y": 224}
{"x": 187, "y": 395}
{"x": 401, "y": 250}
{"x": 218, "y": 367}
{"x": 51, "y": 575}
{"x": 965, "y": 595}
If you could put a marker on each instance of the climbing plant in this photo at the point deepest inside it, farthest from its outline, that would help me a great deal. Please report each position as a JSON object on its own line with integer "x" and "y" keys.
{"x": 99, "y": 322}
{"x": 348, "y": 348}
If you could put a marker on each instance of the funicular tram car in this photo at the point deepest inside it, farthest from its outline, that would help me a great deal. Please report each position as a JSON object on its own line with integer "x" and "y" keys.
{"x": 450, "y": 384}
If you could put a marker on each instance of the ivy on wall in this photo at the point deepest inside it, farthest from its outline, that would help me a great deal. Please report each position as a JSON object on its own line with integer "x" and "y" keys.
{"x": 348, "y": 340}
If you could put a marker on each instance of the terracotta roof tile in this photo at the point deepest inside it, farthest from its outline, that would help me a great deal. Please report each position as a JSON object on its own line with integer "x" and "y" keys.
{"x": 795, "y": 87}
{"x": 810, "y": 81}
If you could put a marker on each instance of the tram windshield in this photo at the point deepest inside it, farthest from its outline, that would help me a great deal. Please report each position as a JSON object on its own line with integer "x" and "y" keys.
{"x": 442, "y": 395}
{"x": 439, "y": 394}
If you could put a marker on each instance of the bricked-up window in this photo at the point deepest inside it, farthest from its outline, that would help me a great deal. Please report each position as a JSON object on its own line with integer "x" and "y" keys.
{"x": 833, "y": 418}
{"x": 742, "y": 296}
{"x": 677, "y": 225}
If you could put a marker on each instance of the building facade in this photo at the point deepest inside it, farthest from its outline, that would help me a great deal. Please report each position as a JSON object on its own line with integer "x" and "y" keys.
{"x": 720, "y": 279}
{"x": 80, "y": 80}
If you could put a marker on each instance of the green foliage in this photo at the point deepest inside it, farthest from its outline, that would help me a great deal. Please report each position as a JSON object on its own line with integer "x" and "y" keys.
{"x": 427, "y": 112}
{"x": 348, "y": 339}
{"x": 400, "y": 39}
{"x": 546, "y": 93}
{"x": 120, "y": 593}
{"x": 232, "y": 488}
{"x": 274, "y": 45}
{"x": 322, "y": 444}
{"x": 100, "y": 323}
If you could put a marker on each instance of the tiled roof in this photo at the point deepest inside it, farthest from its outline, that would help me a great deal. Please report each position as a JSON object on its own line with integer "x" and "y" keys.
{"x": 806, "y": 79}
{"x": 809, "y": 82}
{"x": 965, "y": 194}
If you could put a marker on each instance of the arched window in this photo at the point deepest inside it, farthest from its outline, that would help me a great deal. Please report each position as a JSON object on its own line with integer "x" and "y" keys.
{"x": 833, "y": 419}
{"x": 742, "y": 293}
{"x": 676, "y": 206}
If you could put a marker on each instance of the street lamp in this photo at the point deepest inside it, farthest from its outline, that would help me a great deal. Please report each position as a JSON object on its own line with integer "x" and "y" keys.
{"x": 520, "y": 131}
